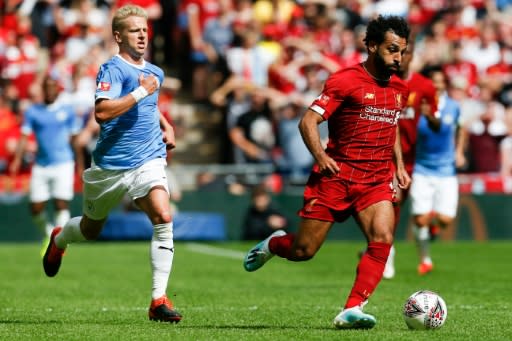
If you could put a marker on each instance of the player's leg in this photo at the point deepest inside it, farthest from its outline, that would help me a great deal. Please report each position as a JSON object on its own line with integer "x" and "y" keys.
{"x": 303, "y": 245}
{"x": 152, "y": 197}
{"x": 422, "y": 201}
{"x": 444, "y": 206}
{"x": 446, "y": 201}
{"x": 40, "y": 218}
{"x": 102, "y": 191}
{"x": 297, "y": 247}
{"x": 62, "y": 189}
{"x": 401, "y": 196}
{"x": 376, "y": 222}
{"x": 375, "y": 216}
{"x": 39, "y": 196}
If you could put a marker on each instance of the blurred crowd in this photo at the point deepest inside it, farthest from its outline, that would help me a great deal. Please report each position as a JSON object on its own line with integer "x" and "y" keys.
{"x": 261, "y": 63}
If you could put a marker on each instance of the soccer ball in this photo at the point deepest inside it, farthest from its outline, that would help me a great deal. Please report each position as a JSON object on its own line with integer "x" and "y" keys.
{"x": 425, "y": 310}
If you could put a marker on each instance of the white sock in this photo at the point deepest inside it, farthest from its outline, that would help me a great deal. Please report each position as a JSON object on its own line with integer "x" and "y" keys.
{"x": 422, "y": 235}
{"x": 70, "y": 233}
{"x": 62, "y": 217}
{"x": 161, "y": 254}
{"x": 41, "y": 222}
{"x": 391, "y": 256}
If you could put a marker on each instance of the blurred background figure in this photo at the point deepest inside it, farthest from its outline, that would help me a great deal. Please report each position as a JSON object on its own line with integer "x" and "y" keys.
{"x": 54, "y": 127}
{"x": 262, "y": 217}
{"x": 435, "y": 189}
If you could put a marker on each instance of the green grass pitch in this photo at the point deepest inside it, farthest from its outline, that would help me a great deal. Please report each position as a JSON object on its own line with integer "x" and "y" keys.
{"x": 103, "y": 290}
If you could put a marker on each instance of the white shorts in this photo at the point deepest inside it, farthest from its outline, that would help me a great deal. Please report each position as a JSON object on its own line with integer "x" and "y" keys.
{"x": 54, "y": 181}
{"x": 434, "y": 194}
{"x": 104, "y": 189}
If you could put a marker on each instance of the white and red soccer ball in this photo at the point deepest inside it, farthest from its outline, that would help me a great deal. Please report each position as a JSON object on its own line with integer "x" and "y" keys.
{"x": 425, "y": 310}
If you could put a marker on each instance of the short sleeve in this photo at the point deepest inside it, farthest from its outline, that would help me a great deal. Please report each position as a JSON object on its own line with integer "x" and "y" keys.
{"x": 330, "y": 99}
{"x": 109, "y": 83}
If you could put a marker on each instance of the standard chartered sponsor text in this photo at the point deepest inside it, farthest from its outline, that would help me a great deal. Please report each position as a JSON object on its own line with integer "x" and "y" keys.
{"x": 382, "y": 114}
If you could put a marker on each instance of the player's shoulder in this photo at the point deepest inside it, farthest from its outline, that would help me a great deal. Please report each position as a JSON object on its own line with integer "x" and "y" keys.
{"x": 453, "y": 103}
{"x": 154, "y": 69}
{"x": 112, "y": 61}
{"x": 112, "y": 65}
{"x": 347, "y": 72}
{"x": 345, "y": 78}
{"x": 418, "y": 77}
{"x": 34, "y": 109}
{"x": 420, "y": 81}
{"x": 399, "y": 84}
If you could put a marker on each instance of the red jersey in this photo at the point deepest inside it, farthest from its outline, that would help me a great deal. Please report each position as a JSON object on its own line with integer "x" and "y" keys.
{"x": 420, "y": 88}
{"x": 362, "y": 117}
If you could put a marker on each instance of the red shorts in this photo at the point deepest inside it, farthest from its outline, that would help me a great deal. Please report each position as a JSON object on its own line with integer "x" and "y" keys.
{"x": 333, "y": 199}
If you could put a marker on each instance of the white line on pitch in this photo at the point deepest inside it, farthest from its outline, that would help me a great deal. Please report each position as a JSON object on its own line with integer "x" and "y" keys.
{"x": 215, "y": 251}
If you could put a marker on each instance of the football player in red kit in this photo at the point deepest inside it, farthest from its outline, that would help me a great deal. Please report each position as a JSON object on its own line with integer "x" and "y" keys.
{"x": 353, "y": 176}
{"x": 421, "y": 101}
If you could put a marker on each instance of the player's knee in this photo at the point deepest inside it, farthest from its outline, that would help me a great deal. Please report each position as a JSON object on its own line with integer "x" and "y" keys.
{"x": 382, "y": 237}
{"x": 162, "y": 217}
{"x": 303, "y": 253}
{"x": 445, "y": 221}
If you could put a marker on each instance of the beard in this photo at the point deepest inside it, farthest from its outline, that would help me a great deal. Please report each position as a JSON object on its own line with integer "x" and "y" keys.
{"x": 386, "y": 69}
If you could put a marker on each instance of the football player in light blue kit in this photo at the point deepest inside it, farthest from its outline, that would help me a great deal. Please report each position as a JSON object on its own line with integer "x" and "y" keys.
{"x": 129, "y": 158}
{"x": 434, "y": 189}
{"x": 54, "y": 126}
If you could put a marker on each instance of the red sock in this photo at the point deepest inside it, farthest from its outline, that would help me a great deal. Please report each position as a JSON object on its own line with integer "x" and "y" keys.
{"x": 369, "y": 273}
{"x": 281, "y": 245}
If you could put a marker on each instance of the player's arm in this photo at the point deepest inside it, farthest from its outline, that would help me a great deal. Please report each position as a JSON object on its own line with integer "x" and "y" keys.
{"x": 429, "y": 110}
{"x": 404, "y": 180}
{"x": 108, "y": 109}
{"x": 308, "y": 127}
{"x": 168, "y": 132}
{"x": 460, "y": 146}
{"x": 15, "y": 165}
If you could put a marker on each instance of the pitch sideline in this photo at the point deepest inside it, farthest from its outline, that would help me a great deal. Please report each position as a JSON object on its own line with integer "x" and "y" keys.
{"x": 215, "y": 251}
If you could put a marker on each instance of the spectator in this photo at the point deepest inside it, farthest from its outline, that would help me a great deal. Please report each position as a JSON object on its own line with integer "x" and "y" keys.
{"x": 218, "y": 36}
{"x": 262, "y": 217}
{"x": 506, "y": 147}
{"x": 9, "y": 133}
{"x": 253, "y": 132}
{"x": 193, "y": 17}
{"x": 250, "y": 61}
{"x": 462, "y": 72}
{"x": 485, "y": 134}
{"x": 484, "y": 50}
{"x": 18, "y": 63}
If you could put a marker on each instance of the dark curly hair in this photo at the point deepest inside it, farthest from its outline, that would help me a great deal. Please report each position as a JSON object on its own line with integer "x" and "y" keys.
{"x": 377, "y": 28}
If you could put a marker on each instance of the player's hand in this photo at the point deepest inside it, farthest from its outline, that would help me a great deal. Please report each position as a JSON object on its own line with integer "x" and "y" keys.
{"x": 168, "y": 138}
{"x": 403, "y": 178}
{"x": 150, "y": 83}
{"x": 460, "y": 160}
{"x": 15, "y": 166}
{"x": 327, "y": 166}
{"x": 425, "y": 108}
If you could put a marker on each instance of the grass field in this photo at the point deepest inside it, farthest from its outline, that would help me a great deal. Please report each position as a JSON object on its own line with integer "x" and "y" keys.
{"x": 102, "y": 293}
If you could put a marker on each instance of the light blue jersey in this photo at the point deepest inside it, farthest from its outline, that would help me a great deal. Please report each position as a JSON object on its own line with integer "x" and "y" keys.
{"x": 52, "y": 125}
{"x": 435, "y": 151}
{"x": 135, "y": 137}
